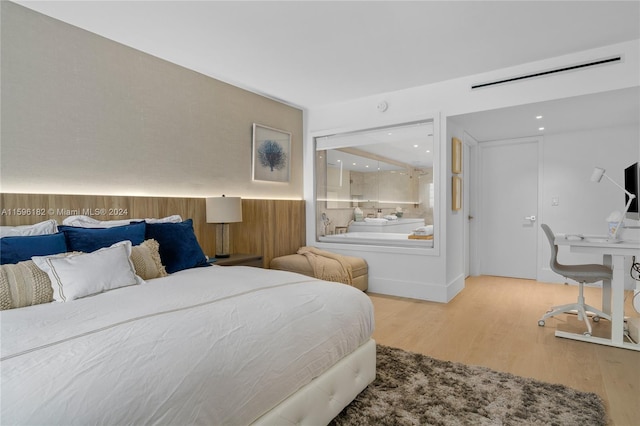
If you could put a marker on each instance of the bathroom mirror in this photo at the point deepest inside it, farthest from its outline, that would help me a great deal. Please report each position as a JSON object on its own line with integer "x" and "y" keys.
{"x": 382, "y": 172}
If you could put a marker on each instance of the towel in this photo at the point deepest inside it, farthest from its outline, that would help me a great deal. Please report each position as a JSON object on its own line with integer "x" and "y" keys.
{"x": 375, "y": 219}
{"x": 423, "y": 230}
{"x": 328, "y": 266}
{"x": 420, "y": 237}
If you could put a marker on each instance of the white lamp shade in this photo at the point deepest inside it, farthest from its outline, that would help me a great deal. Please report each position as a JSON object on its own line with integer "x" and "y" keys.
{"x": 597, "y": 174}
{"x": 224, "y": 209}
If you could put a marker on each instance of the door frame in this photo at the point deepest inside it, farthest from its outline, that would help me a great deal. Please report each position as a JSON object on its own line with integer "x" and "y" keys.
{"x": 539, "y": 141}
{"x": 470, "y": 205}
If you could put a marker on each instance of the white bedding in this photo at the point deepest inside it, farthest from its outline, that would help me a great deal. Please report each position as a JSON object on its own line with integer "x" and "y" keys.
{"x": 218, "y": 345}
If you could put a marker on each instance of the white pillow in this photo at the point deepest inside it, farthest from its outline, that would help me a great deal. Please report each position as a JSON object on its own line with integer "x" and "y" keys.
{"x": 89, "y": 222}
{"x": 84, "y": 274}
{"x": 42, "y": 228}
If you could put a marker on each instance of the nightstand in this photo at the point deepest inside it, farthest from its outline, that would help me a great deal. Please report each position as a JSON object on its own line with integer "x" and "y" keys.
{"x": 238, "y": 259}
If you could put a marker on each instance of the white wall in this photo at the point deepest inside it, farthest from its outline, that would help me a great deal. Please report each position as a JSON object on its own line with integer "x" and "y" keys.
{"x": 568, "y": 161}
{"x": 82, "y": 114}
{"x": 454, "y": 254}
{"x": 455, "y": 97}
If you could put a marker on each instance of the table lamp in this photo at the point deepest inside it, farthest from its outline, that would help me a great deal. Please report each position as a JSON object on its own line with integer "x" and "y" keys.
{"x": 222, "y": 211}
{"x": 596, "y": 176}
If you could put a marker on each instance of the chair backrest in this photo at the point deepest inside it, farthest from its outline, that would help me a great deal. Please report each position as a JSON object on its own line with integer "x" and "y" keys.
{"x": 553, "y": 261}
{"x": 582, "y": 273}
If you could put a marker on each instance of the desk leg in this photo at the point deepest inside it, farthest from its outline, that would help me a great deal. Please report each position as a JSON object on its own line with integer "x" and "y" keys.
{"x": 617, "y": 307}
{"x": 606, "y": 287}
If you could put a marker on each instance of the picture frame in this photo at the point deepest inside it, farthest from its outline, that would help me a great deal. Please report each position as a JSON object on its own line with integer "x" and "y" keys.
{"x": 271, "y": 154}
{"x": 456, "y": 156}
{"x": 456, "y": 193}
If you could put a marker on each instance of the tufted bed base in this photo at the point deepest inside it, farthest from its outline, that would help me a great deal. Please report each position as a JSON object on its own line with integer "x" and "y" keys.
{"x": 320, "y": 401}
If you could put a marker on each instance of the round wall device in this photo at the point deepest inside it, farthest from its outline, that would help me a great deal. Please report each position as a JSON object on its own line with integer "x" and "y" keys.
{"x": 382, "y": 106}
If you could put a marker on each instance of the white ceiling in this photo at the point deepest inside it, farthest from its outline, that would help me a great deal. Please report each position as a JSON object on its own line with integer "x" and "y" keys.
{"x": 608, "y": 109}
{"x": 311, "y": 53}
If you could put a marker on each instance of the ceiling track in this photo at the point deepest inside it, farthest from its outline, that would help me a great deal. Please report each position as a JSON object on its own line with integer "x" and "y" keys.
{"x": 598, "y": 62}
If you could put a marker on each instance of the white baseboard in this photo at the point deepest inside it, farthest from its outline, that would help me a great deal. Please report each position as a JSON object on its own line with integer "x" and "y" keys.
{"x": 416, "y": 290}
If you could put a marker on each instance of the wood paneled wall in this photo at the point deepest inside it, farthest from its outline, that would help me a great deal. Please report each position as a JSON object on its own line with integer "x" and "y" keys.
{"x": 270, "y": 228}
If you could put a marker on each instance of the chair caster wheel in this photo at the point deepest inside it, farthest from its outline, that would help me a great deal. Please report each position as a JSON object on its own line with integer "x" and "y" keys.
{"x": 596, "y": 318}
{"x": 541, "y": 323}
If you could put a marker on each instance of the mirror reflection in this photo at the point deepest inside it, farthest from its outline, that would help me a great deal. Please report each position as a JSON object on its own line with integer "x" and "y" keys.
{"x": 376, "y": 181}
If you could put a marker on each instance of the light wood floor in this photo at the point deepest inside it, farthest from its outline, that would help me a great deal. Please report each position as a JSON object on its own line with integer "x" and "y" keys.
{"x": 493, "y": 323}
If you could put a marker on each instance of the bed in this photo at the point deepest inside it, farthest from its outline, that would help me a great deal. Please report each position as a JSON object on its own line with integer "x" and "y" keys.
{"x": 201, "y": 345}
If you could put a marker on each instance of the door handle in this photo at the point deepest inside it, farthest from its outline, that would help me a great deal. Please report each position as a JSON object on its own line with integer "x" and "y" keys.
{"x": 531, "y": 218}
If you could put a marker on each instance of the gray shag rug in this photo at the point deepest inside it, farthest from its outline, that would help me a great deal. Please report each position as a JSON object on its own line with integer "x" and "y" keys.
{"x": 414, "y": 389}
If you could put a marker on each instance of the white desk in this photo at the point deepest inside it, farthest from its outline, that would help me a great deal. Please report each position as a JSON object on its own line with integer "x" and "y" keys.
{"x": 612, "y": 293}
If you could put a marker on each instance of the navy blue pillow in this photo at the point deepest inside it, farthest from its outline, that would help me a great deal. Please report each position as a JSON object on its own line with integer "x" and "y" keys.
{"x": 179, "y": 248}
{"x": 19, "y": 249}
{"x": 92, "y": 239}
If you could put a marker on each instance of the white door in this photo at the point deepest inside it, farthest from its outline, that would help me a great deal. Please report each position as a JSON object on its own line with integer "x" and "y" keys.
{"x": 509, "y": 208}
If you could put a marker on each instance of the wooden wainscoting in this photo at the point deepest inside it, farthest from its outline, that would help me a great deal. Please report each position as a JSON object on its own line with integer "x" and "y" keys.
{"x": 269, "y": 228}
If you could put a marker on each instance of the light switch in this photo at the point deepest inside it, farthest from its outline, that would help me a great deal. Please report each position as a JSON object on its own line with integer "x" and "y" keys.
{"x": 555, "y": 201}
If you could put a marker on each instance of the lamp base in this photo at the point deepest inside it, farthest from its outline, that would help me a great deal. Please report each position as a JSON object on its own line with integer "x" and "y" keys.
{"x": 222, "y": 240}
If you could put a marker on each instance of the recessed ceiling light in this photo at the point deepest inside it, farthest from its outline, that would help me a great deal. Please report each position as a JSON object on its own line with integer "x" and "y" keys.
{"x": 541, "y": 128}
{"x": 339, "y": 161}
{"x": 367, "y": 166}
{"x": 353, "y": 164}
{"x": 428, "y": 151}
{"x": 415, "y": 146}
{"x": 538, "y": 117}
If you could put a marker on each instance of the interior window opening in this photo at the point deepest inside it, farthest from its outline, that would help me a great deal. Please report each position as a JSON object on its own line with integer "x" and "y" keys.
{"x": 376, "y": 186}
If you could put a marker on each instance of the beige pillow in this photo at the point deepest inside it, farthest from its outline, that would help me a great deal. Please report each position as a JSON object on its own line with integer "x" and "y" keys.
{"x": 23, "y": 284}
{"x": 146, "y": 260}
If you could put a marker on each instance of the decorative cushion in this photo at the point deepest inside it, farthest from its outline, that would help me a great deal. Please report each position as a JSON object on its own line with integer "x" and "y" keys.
{"x": 179, "y": 248}
{"x": 92, "y": 239}
{"x": 24, "y": 284}
{"x": 89, "y": 222}
{"x": 41, "y": 228}
{"x": 146, "y": 260}
{"x": 84, "y": 274}
{"x": 18, "y": 249}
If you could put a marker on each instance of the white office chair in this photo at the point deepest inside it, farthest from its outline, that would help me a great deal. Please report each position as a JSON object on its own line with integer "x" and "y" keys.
{"x": 588, "y": 273}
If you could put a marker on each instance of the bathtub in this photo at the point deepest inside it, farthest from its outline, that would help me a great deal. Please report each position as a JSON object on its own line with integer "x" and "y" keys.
{"x": 399, "y": 226}
{"x": 376, "y": 238}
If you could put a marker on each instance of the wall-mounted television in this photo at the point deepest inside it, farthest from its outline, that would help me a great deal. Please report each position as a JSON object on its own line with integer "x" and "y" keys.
{"x": 632, "y": 185}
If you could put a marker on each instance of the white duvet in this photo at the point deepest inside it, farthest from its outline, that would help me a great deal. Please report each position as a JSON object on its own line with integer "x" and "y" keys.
{"x": 218, "y": 345}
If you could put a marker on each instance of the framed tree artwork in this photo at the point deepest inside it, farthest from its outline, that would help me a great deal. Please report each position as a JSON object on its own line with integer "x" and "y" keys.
{"x": 271, "y": 154}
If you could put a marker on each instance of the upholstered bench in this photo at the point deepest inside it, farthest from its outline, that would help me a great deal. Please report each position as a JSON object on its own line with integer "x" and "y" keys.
{"x": 301, "y": 264}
